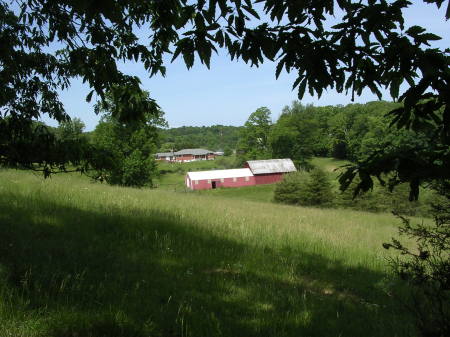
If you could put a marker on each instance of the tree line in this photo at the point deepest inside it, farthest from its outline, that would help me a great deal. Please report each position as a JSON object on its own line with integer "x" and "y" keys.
{"x": 352, "y": 132}
{"x": 215, "y": 138}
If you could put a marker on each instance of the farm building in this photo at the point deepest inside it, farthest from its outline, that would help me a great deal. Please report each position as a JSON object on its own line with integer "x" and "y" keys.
{"x": 167, "y": 156}
{"x": 270, "y": 171}
{"x": 256, "y": 172}
{"x": 186, "y": 155}
{"x": 203, "y": 180}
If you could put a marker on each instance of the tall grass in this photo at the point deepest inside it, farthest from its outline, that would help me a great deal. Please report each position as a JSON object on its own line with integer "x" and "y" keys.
{"x": 263, "y": 193}
{"x": 84, "y": 259}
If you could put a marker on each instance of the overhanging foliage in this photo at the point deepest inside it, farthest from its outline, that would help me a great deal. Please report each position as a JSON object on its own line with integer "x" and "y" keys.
{"x": 45, "y": 44}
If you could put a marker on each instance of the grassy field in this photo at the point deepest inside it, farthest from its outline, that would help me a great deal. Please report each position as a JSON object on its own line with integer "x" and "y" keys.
{"x": 262, "y": 193}
{"x": 89, "y": 260}
{"x": 172, "y": 178}
{"x": 330, "y": 165}
{"x": 172, "y": 175}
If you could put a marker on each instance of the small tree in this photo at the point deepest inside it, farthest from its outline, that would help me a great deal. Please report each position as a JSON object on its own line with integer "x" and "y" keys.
{"x": 295, "y": 134}
{"x": 138, "y": 170}
{"x": 126, "y": 150}
{"x": 227, "y": 151}
{"x": 253, "y": 141}
{"x": 70, "y": 129}
{"x": 318, "y": 191}
{"x": 289, "y": 190}
{"x": 302, "y": 188}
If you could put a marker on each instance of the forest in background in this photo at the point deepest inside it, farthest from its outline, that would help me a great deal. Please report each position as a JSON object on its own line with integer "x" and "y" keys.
{"x": 215, "y": 137}
{"x": 349, "y": 132}
{"x": 300, "y": 132}
{"x": 352, "y": 132}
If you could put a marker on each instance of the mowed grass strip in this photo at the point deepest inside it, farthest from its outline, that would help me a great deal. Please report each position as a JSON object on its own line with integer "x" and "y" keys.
{"x": 85, "y": 259}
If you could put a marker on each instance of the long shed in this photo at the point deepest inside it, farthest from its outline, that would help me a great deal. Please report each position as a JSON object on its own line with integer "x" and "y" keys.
{"x": 188, "y": 155}
{"x": 270, "y": 171}
{"x": 202, "y": 180}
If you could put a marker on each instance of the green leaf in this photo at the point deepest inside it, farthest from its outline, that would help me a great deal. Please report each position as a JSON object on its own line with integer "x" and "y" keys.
{"x": 415, "y": 31}
{"x": 430, "y": 37}
{"x": 279, "y": 68}
{"x": 302, "y": 88}
{"x": 395, "y": 87}
{"x": 219, "y": 38}
{"x": 251, "y": 11}
{"x": 89, "y": 96}
{"x": 177, "y": 51}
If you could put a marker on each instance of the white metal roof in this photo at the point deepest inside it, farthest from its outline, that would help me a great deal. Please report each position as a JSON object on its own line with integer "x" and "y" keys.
{"x": 219, "y": 174}
{"x": 164, "y": 154}
{"x": 271, "y": 166}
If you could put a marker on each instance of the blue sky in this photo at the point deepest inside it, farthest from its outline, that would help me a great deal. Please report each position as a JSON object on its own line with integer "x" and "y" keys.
{"x": 230, "y": 91}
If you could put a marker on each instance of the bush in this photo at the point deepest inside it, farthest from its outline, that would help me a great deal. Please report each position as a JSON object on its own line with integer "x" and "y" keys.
{"x": 225, "y": 163}
{"x": 380, "y": 199}
{"x": 288, "y": 191}
{"x": 137, "y": 170}
{"x": 308, "y": 189}
{"x": 363, "y": 202}
{"x": 318, "y": 191}
{"x": 227, "y": 152}
{"x": 425, "y": 266}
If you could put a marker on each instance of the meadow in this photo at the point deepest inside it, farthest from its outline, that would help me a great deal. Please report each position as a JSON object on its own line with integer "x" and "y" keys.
{"x": 172, "y": 178}
{"x": 171, "y": 175}
{"x": 378, "y": 200}
{"x": 85, "y": 259}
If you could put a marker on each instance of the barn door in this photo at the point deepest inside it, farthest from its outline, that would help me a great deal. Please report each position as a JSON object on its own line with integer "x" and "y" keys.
{"x": 213, "y": 185}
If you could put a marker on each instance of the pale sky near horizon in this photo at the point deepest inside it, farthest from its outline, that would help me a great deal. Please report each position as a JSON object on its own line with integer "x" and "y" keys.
{"x": 230, "y": 91}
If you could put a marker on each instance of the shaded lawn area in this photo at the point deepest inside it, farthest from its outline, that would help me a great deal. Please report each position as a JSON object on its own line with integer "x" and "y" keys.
{"x": 67, "y": 271}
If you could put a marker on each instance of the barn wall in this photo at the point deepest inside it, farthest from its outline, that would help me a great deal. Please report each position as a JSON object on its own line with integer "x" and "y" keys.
{"x": 187, "y": 157}
{"x": 260, "y": 179}
{"x": 240, "y": 182}
{"x": 228, "y": 182}
{"x": 269, "y": 178}
{"x": 202, "y": 185}
{"x": 190, "y": 157}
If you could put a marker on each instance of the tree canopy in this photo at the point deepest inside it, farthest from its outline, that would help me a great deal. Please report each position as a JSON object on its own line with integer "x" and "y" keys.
{"x": 125, "y": 151}
{"x": 45, "y": 44}
{"x": 297, "y": 134}
{"x": 254, "y": 137}
{"x": 215, "y": 137}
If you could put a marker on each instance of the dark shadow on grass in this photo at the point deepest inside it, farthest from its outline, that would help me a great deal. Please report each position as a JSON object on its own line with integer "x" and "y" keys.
{"x": 95, "y": 274}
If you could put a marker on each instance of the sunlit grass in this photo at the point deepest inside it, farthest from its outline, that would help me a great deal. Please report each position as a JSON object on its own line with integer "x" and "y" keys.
{"x": 262, "y": 193}
{"x": 81, "y": 258}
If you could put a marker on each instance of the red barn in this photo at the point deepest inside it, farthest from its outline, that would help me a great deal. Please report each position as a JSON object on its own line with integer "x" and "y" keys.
{"x": 203, "y": 180}
{"x": 270, "y": 171}
{"x": 188, "y": 155}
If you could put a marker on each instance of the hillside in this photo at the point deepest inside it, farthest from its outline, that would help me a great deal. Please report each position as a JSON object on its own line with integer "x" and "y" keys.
{"x": 84, "y": 259}
{"x": 216, "y": 137}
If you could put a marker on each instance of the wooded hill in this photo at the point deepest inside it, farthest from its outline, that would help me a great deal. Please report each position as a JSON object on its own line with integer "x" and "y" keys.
{"x": 215, "y": 137}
